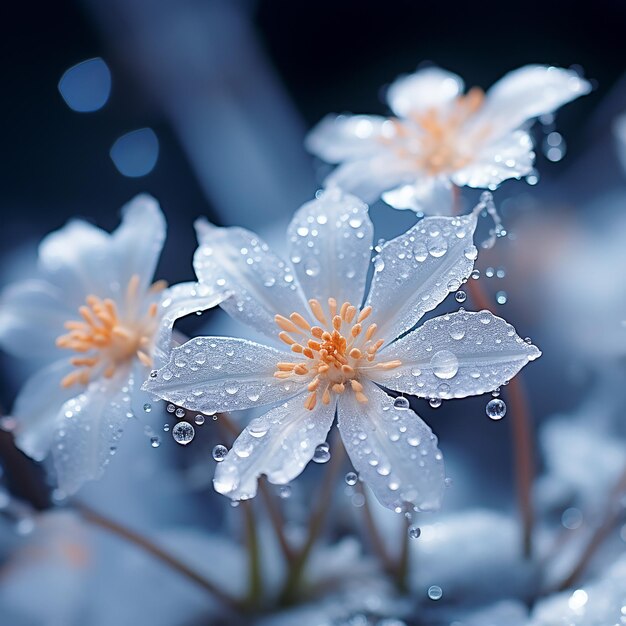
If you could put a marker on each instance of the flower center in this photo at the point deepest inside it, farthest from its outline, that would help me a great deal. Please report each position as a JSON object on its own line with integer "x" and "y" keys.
{"x": 105, "y": 340}
{"x": 337, "y": 353}
{"x": 436, "y": 147}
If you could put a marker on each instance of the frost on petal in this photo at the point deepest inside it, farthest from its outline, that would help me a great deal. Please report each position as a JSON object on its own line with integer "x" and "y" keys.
{"x": 330, "y": 246}
{"x": 392, "y": 449}
{"x": 212, "y": 374}
{"x": 429, "y": 88}
{"x": 178, "y": 301}
{"x": 431, "y": 195}
{"x": 511, "y": 156}
{"x": 262, "y": 284}
{"x": 456, "y": 355}
{"x": 138, "y": 241}
{"x": 526, "y": 93}
{"x": 88, "y": 429}
{"x": 37, "y": 408}
{"x": 414, "y": 272}
{"x": 368, "y": 178}
{"x": 32, "y": 315}
{"x": 347, "y": 137}
{"x": 278, "y": 444}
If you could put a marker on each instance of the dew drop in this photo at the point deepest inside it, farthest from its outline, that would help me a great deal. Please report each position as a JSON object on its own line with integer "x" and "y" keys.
{"x": 155, "y": 442}
{"x": 322, "y": 453}
{"x": 401, "y": 403}
{"x": 170, "y": 408}
{"x": 496, "y": 409}
{"x": 414, "y": 532}
{"x": 284, "y": 492}
{"x": 435, "y": 403}
{"x": 166, "y": 428}
{"x": 147, "y": 407}
{"x": 219, "y": 452}
{"x": 435, "y": 592}
{"x": 501, "y": 297}
{"x": 183, "y": 433}
{"x": 199, "y": 419}
{"x": 445, "y": 364}
{"x": 460, "y": 296}
{"x": 351, "y": 478}
{"x": 180, "y": 412}
{"x": 153, "y": 374}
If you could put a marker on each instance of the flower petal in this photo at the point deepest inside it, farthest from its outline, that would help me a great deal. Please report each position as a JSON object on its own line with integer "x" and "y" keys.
{"x": 347, "y": 137}
{"x": 32, "y": 315}
{"x": 511, "y": 156}
{"x": 178, "y": 301}
{"x": 278, "y": 444}
{"x": 526, "y": 93}
{"x": 429, "y": 88}
{"x": 37, "y": 407}
{"x": 392, "y": 449}
{"x": 414, "y": 272}
{"x": 139, "y": 239}
{"x": 368, "y": 178}
{"x": 456, "y": 355}
{"x": 212, "y": 374}
{"x": 330, "y": 246}
{"x": 431, "y": 195}
{"x": 88, "y": 430}
{"x": 263, "y": 285}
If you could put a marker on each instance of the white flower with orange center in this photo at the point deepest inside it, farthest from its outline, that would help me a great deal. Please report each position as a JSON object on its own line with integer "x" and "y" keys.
{"x": 94, "y": 315}
{"x": 440, "y": 137}
{"x": 336, "y": 349}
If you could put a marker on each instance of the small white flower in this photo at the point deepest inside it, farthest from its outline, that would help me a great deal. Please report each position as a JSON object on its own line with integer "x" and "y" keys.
{"x": 95, "y": 317}
{"x": 440, "y": 137}
{"x": 335, "y": 351}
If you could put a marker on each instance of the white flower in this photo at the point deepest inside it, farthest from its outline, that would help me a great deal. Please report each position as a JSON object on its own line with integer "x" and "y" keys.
{"x": 441, "y": 137}
{"x": 95, "y": 317}
{"x": 335, "y": 351}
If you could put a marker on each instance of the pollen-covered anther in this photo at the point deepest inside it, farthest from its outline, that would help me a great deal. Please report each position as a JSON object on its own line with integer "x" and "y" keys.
{"x": 112, "y": 338}
{"x": 337, "y": 351}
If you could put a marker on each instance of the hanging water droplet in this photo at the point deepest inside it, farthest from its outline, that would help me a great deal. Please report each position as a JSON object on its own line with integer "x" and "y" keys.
{"x": 219, "y": 452}
{"x": 496, "y": 409}
{"x": 460, "y": 296}
{"x": 180, "y": 412}
{"x": 199, "y": 419}
{"x": 401, "y": 403}
{"x": 166, "y": 428}
{"x": 501, "y": 297}
{"x": 183, "y": 433}
{"x": 435, "y": 592}
{"x": 475, "y": 274}
{"x": 414, "y": 532}
{"x": 351, "y": 478}
{"x": 284, "y": 492}
{"x": 155, "y": 442}
{"x": 147, "y": 407}
{"x": 435, "y": 403}
{"x": 322, "y": 453}
{"x": 496, "y": 392}
{"x": 170, "y": 408}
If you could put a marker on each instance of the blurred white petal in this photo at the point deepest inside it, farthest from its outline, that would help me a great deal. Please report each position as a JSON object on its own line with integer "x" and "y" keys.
{"x": 346, "y": 137}
{"x": 263, "y": 285}
{"x": 526, "y": 93}
{"x": 454, "y": 356}
{"x": 330, "y": 246}
{"x": 278, "y": 444}
{"x": 392, "y": 449}
{"x": 431, "y": 195}
{"x": 213, "y": 374}
{"x": 511, "y": 156}
{"x": 32, "y": 315}
{"x": 425, "y": 89}
{"x": 416, "y": 271}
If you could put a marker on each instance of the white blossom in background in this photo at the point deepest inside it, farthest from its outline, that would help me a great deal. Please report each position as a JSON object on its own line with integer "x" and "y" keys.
{"x": 338, "y": 347}
{"x": 440, "y": 137}
{"x": 96, "y": 317}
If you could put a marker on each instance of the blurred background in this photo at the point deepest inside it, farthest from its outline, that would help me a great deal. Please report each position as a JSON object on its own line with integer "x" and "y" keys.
{"x": 205, "y": 103}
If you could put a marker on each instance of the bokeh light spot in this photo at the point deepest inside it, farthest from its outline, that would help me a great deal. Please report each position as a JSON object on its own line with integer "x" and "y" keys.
{"x": 86, "y": 87}
{"x": 136, "y": 153}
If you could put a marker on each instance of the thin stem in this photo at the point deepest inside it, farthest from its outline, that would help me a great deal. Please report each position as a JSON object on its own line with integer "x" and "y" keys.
{"x": 521, "y": 423}
{"x": 316, "y": 522}
{"x": 97, "y": 519}
{"x": 402, "y": 570}
{"x": 373, "y": 535}
{"x": 274, "y": 512}
{"x": 255, "y": 582}
{"x": 612, "y": 515}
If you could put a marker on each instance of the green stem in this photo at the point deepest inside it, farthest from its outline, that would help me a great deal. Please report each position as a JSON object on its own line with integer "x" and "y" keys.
{"x": 402, "y": 569}
{"x": 316, "y": 523}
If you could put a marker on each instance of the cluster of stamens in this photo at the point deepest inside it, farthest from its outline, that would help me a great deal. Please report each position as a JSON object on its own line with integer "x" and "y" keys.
{"x": 105, "y": 340}
{"x": 438, "y": 140}
{"x": 336, "y": 352}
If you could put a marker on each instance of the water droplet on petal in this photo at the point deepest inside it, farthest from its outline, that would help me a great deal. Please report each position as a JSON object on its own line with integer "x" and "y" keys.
{"x": 401, "y": 403}
{"x": 155, "y": 442}
{"x": 445, "y": 364}
{"x": 147, "y": 407}
{"x": 183, "y": 433}
{"x": 322, "y": 453}
{"x": 180, "y": 412}
{"x": 170, "y": 408}
{"x": 435, "y": 403}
